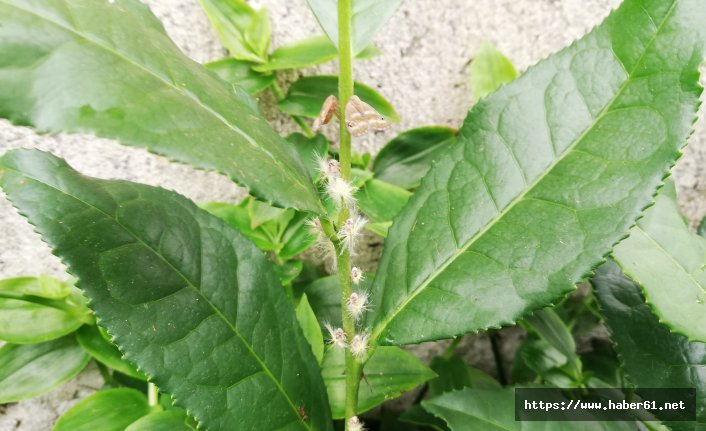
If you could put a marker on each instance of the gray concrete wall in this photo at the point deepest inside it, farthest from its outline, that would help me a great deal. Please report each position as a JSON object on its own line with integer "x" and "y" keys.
{"x": 423, "y": 72}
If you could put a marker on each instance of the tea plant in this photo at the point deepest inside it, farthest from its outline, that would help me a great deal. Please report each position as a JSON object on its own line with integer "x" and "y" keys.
{"x": 485, "y": 227}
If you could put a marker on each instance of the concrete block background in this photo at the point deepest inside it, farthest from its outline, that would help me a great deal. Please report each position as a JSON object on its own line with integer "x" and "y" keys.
{"x": 423, "y": 72}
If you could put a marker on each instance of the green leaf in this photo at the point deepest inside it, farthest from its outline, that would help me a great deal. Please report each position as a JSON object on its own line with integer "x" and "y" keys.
{"x": 368, "y": 17}
{"x": 257, "y": 35}
{"x": 390, "y": 372}
{"x": 306, "y": 96}
{"x": 85, "y": 66}
{"x": 29, "y": 370}
{"x": 494, "y": 410}
{"x": 407, "y": 158}
{"x": 309, "y": 150}
{"x": 416, "y": 415}
{"x": 33, "y": 310}
{"x": 162, "y": 421}
{"x": 283, "y": 232}
{"x": 95, "y": 343}
{"x": 490, "y": 69}
{"x": 181, "y": 293}
{"x": 652, "y": 356}
{"x": 109, "y": 410}
{"x": 669, "y": 262}
{"x": 301, "y": 54}
{"x": 311, "y": 328}
{"x": 42, "y": 286}
{"x": 547, "y": 324}
{"x": 379, "y": 228}
{"x": 240, "y": 73}
{"x": 535, "y": 357}
{"x": 306, "y": 53}
{"x": 547, "y": 174}
{"x": 244, "y": 32}
{"x": 288, "y": 271}
{"x": 381, "y": 201}
{"x": 324, "y": 297}
{"x": 452, "y": 372}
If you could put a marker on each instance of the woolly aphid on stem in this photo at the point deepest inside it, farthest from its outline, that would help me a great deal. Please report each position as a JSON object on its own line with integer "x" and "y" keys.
{"x": 329, "y": 169}
{"x": 357, "y": 304}
{"x": 357, "y": 275}
{"x": 337, "y": 337}
{"x": 341, "y": 192}
{"x": 354, "y": 424}
{"x": 359, "y": 345}
{"x": 349, "y": 234}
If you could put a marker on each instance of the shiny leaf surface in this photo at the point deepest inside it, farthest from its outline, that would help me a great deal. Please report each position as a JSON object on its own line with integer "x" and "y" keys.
{"x": 547, "y": 175}
{"x": 33, "y": 310}
{"x": 91, "y": 338}
{"x": 181, "y": 293}
{"x": 162, "y": 421}
{"x": 669, "y": 262}
{"x": 652, "y": 357}
{"x": 407, "y": 158}
{"x": 109, "y": 410}
{"x": 240, "y": 73}
{"x": 29, "y": 370}
{"x": 84, "y": 66}
{"x": 494, "y": 410}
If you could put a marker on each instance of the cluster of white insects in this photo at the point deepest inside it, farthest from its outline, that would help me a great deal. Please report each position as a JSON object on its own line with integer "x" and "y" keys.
{"x": 360, "y": 118}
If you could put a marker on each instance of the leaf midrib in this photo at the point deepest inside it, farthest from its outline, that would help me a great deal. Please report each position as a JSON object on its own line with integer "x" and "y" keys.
{"x": 380, "y": 327}
{"x": 191, "y": 285}
{"x": 189, "y": 95}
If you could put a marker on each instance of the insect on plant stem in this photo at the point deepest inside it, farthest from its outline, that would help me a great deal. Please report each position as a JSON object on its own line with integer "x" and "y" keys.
{"x": 345, "y": 91}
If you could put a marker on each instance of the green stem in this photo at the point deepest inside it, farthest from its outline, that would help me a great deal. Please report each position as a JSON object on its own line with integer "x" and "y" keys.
{"x": 279, "y": 94}
{"x": 345, "y": 82}
{"x": 345, "y": 91}
{"x": 152, "y": 394}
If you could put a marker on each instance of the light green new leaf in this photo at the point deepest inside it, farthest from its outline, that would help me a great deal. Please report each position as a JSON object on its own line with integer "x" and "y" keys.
{"x": 407, "y": 158}
{"x": 307, "y": 53}
{"x": 182, "y": 294}
{"x": 244, "y": 32}
{"x": 652, "y": 356}
{"x": 285, "y": 231}
{"x": 494, "y": 410}
{"x": 549, "y": 326}
{"x": 381, "y": 201}
{"x": 109, "y": 68}
{"x": 33, "y": 310}
{"x": 548, "y": 173}
{"x": 29, "y": 370}
{"x": 311, "y": 328}
{"x": 240, "y": 73}
{"x": 490, "y": 69}
{"x": 368, "y": 17}
{"x": 390, "y": 372}
{"x": 669, "y": 262}
{"x": 109, "y": 410}
{"x": 306, "y": 96}
{"x": 94, "y": 342}
{"x": 162, "y": 421}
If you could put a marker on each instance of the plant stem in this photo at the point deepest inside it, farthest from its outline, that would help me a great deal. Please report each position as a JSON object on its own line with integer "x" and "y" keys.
{"x": 345, "y": 82}
{"x": 152, "y": 394}
{"x": 345, "y": 91}
{"x": 497, "y": 355}
{"x": 279, "y": 94}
